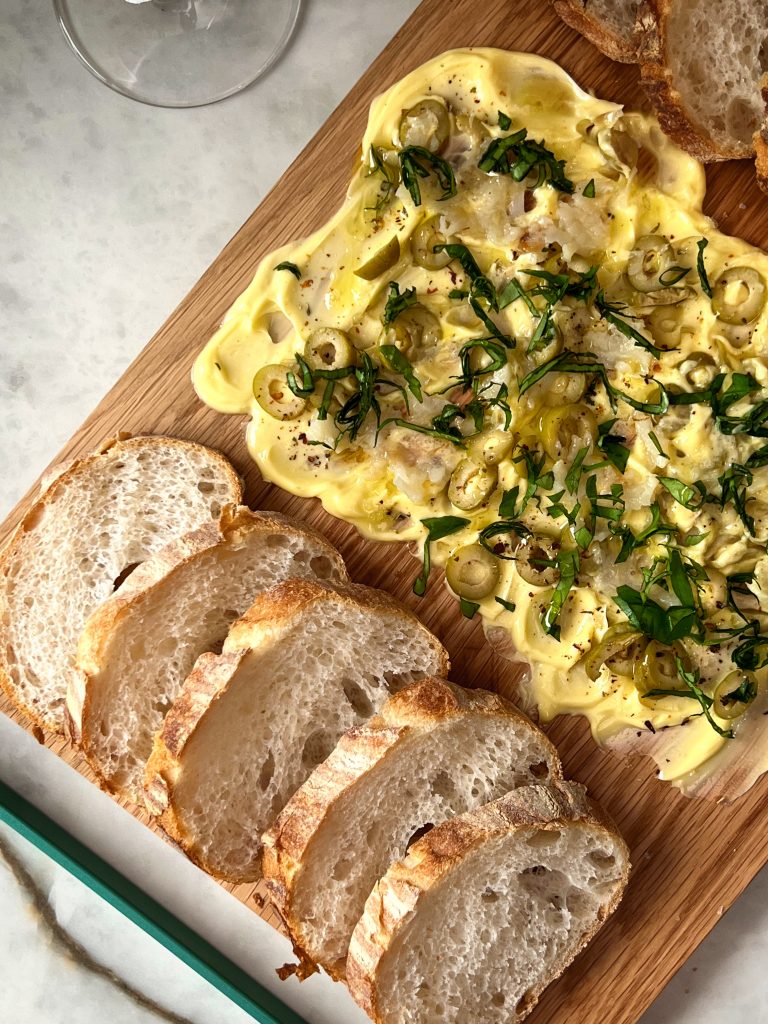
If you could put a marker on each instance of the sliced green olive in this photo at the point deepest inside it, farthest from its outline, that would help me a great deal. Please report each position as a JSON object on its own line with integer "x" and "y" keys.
{"x": 566, "y": 387}
{"x": 426, "y": 124}
{"x": 727, "y": 706}
{"x": 471, "y": 484}
{"x": 472, "y": 572}
{"x": 666, "y": 323}
{"x": 657, "y": 670}
{"x": 699, "y": 369}
{"x": 382, "y": 260}
{"x": 616, "y": 641}
{"x": 423, "y": 241}
{"x": 271, "y": 391}
{"x": 558, "y": 427}
{"x": 415, "y": 328}
{"x": 648, "y": 262}
{"x": 329, "y": 349}
{"x": 491, "y": 446}
{"x": 535, "y": 560}
{"x": 738, "y": 295}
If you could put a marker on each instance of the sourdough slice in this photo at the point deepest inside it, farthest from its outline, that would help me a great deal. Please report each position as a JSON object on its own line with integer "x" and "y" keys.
{"x": 487, "y": 909}
{"x": 306, "y": 663}
{"x": 434, "y": 751}
{"x": 93, "y": 522}
{"x": 701, "y": 68}
{"x": 761, "y": 139}
{"x": 608, "y": 24}
{"x": 139, "y": 646}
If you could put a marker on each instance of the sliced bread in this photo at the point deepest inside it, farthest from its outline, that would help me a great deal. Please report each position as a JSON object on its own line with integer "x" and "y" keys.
{"x": 761, "y": 138}
{"x": 435, "y": 750}
{"x": 487, "y": 909}
{"x": 608, "y": 24}
{"x": 91, "y": 525}
{"x": 139, "y": 646}
{"x": 701, "y": 68}
{"x": 306, "y": 663}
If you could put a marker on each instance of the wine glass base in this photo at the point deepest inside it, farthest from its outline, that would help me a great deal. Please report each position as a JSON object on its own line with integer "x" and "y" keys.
{"x": 177, "y": 53}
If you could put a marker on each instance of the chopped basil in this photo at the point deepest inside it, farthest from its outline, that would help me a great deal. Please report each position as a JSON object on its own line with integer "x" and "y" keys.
{"x": 506, "y": 605}
{"x": 614, "y": 315}
{"x": 437, "y": 528}
{"x": 568, "y": 567}
{"x": 417, "y": 162}
{"x": 290, "y": 267}
{"x": 657, "y": 445}
{"x": 400, "y": 364}
{"x": 397, "y": 303}
{"x": 589, "y": 189}
{"x": 468, "y": 608}
{"x": 519, "y": 156}
{"x": 612, "y": 446}
{"x": 505, "y": 121}
{"x": 702, "y": 270}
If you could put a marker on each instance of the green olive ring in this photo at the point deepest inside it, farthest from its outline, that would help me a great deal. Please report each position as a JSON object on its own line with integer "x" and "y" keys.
{"x": 328, "y": 349}
{"x": 472, "y": 572}
{"x": 271, "y": 391}
{"x": 657, "y": 670}
{"x": 729, "y": 709}
{"x": 738, "y": 295}
{"x": 535, "y": 560}
{"x": 649, "y": 261}
{"x": 616, "y": 641}
{"x": 491, "y": 446}
{"x": 427, "y": 124}
{"x": 416, "y": 328}
{"x": 426, "y": 236}
{"x": 471, "y": 484}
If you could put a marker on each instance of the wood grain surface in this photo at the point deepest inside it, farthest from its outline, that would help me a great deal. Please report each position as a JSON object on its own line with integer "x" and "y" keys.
{"x": 691, "y": 860}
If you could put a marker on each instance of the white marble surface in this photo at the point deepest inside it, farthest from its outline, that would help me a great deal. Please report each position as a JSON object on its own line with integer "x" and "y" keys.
{"x": 109, "y": 211}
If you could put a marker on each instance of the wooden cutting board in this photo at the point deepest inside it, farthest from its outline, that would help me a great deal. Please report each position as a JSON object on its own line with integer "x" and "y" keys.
{"x": 691, "y": 860}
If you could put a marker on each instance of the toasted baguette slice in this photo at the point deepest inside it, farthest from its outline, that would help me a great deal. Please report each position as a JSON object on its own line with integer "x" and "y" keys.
{"x": 90, "y": 526}
{"x": 139, "y": 646}
{"x": 761, "y": 139}
{"x": 487, "y": 909}
{"x": 608, "y": 24}
{"x": 702, "y": 68}
{"x": 303, "y": 665}
{"x": 434, "y": 751}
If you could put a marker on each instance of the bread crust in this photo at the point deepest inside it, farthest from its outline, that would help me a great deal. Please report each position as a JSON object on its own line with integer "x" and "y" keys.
{"x": 236, "y": 524}
{"x": 420, "y": 707}
{"x": 576, "y": 14}
{"x": 659, "y": 83}
{"x": 270, "y": 615}
{"x": 52, "y": 484}
{"x": 429, "y": 863}
{"x": 761, "y": 140}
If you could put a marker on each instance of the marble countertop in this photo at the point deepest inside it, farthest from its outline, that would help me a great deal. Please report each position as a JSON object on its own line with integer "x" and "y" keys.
{"x": 111, "y": 210}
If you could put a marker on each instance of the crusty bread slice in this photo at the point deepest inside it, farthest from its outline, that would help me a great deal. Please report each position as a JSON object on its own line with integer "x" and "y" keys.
{"x": 761, "y": 139}
{"x": 305, "y": 663}
{"x": 139, "y": 646}
{"x": 608, "y": 24}
{"x": 701, "y": 68}
{"x": 94, "y": 521}
{"x": 487, "y": 909}
{"x": 435, "y": 750}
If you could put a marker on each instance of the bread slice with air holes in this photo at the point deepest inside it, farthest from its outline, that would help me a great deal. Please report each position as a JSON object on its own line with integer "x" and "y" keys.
{"x": 487, "y": 909}
{"x": 761, "y": 137}
{"x": 139, "y": 646}
{"x": 304, "y": 664}
{"x": 435, "y": 750}
{"x": 702, "y": 72}
{"x": 608, "y": 24}
{"x": 92, "y": 523}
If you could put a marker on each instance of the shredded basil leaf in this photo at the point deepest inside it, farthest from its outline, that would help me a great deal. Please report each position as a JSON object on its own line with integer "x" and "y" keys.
{"x": 437, "y": 528}
{"x": 589, "y": 189}
{"x": 702, "y": 270}
{"x": 417, "y": 162}
{"x": 290, "y": 267}
{"x": 397, "y": 303}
